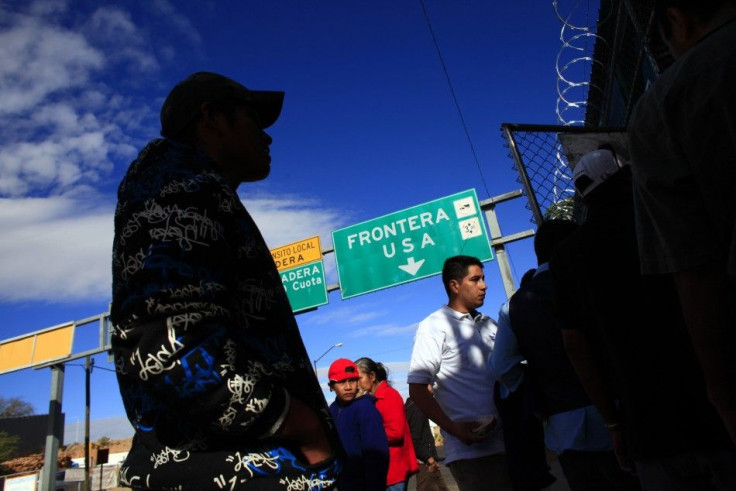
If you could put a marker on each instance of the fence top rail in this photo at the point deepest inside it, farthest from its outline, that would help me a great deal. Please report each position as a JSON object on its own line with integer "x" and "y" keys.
{"x": 559, "y": 128}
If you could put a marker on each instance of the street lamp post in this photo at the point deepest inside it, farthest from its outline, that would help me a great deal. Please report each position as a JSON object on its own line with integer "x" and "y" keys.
{"x": 338, "y": 345}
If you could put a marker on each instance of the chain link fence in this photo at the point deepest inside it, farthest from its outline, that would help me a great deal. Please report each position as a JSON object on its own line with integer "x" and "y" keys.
{"x": 544, "y": 156}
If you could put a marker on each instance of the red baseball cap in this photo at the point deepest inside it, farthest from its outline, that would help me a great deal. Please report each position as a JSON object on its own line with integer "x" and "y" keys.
{"x": 342, "y": 369}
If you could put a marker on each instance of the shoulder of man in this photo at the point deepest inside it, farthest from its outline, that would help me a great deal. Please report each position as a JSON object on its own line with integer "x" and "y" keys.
{"x": 568, "y": 251}
{"x": 436, "y": 314}
{"x": 535, "y": 286}
{"x": 167, "y": 168}
{"x": 435, "y": 320}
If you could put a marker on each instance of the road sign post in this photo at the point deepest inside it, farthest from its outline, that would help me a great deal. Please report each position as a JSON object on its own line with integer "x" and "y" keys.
{"x": 410, "y": 244}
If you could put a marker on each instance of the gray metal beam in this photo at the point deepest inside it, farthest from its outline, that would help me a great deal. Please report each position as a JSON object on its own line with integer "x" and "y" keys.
{"x": 55, "y": 431}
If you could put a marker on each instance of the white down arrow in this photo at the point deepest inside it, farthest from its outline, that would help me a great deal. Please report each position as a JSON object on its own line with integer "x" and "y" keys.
{"x": 411, "y": 266}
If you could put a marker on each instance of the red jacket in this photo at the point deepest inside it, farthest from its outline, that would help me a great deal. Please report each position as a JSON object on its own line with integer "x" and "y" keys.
{"x": 402, "y": 459}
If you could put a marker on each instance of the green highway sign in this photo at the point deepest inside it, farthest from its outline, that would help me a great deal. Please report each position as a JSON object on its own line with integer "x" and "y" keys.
{"x": 302, "y": 273}
{"x": 305, "y": 286}
{"x": 410, "y": 244}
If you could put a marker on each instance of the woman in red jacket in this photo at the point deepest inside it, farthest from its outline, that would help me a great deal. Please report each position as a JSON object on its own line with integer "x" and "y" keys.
{"x": 402, "y": 459}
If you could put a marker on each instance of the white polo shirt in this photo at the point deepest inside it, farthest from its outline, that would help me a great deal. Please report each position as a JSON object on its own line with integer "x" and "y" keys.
{"x": 451, "y": 350}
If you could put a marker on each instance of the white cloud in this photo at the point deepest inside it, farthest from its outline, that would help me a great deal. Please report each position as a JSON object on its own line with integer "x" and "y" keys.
{"x": 114, "y": 29}
{"x": 115, "y": 23}
{"x": 53, "y": 250}
{"x": 59, "y": 248}
{"x": 40, "y": 59}
{"x": 388, "y": 330}
{"x": 46, "y": 8}
{"x": 347, "y": 315}
{"x": 76, "y": 104}
{"x": 287, "y": 219}
{"x": 65, "y": 127}
{"x": 59, "y": 134}
{"x": 181, "y": 24}
{"x": 56, "y": 164}
{"x": 62, "y": 117}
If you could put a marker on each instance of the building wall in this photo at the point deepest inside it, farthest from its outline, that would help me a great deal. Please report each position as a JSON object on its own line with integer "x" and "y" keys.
{"x": 31, "y": 430}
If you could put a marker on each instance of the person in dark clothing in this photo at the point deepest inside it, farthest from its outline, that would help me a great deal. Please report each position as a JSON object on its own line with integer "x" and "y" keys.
{"x": 212, "y": 369}
{"x": 548, "y": 386}
{"x": 523, "y": 437}
{"x": 429, "y": 477}
{"x": 627, "y": 339}
{"x": 360, "y": 427}
{"x": 523, "y": 434}
{"x": 682, "y": 137}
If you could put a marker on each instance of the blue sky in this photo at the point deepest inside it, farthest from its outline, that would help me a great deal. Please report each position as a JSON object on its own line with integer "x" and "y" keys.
{"x": 369, "y": 127}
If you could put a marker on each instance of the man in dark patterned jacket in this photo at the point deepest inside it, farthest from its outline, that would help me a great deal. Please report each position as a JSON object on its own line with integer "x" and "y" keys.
{"x": 212, "y": 369}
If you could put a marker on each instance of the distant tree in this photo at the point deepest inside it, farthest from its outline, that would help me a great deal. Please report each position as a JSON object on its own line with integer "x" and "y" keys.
{"x": 13, "y": 407}
{"x": 103, "y": 442}
{"x": 8, "y": 445}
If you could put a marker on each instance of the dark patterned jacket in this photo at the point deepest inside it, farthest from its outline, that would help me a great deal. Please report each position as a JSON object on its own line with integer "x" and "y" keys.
{"x": 207, "y": 350}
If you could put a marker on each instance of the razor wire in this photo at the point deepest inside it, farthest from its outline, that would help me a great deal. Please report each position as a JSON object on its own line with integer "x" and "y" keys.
{"x": 601, "y": 72}
{"x": 575, "y": 58}
{"x": 573, "y": 66}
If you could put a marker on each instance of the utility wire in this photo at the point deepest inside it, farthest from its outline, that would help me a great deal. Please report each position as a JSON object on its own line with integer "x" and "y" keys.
{"x": 454, "y": 98}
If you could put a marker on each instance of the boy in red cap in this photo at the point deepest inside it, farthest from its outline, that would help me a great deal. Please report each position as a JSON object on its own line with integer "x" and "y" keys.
{"x": 360, "y": 427}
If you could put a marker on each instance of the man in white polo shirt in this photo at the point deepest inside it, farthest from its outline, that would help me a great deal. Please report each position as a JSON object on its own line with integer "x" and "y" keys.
{"x": 451, "y": 347}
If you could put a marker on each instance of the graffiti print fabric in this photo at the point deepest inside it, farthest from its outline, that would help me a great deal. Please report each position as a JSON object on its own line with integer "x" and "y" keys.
{"x": 206, "y": 347}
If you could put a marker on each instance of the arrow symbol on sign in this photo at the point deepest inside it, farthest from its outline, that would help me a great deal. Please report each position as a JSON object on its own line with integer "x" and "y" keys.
{"x": 411, "y": 266}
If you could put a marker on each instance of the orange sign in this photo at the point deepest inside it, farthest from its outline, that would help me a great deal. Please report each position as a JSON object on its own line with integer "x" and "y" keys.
{"x": 37, "y": 348}
{"x": 298, "y": 253}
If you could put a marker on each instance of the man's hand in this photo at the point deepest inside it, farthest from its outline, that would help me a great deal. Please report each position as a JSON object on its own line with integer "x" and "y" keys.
{"x": 462, "y": 430}
{"x": 304, "y": 427}
{"x": 619, "y": 449}
{"x": 432, "y": 465}
{"x": 467, "y": 431}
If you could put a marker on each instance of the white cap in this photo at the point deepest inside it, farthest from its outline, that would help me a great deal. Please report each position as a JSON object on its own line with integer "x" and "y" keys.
{"x": 594, "y": 168}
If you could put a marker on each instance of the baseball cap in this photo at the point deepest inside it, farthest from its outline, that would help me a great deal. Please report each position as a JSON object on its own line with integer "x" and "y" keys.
{"x": 594, "y": 168}
{"x": 342, "y": 369}
{"x": 183, "y": 103}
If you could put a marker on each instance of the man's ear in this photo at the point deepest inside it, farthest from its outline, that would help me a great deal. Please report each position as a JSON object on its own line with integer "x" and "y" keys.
{"x": 211, "y": 118}
{"x": 454, "y": 286}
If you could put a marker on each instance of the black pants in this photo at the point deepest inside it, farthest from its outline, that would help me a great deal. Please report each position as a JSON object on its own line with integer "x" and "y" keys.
{"x": 523, "y": 437}
{"x": 595, "y": 471}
